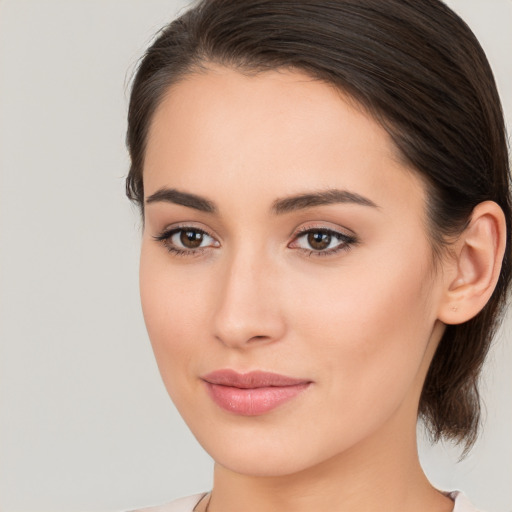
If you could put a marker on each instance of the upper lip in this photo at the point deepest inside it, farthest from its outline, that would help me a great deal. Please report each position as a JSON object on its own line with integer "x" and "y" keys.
{"x": 251, "y": 380}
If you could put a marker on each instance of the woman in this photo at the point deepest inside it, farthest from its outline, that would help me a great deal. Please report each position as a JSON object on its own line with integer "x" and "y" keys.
{"x": 326, "y": 248}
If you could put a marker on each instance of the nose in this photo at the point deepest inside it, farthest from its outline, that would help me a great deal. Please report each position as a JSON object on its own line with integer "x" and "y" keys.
{"x": 247, "y": 310}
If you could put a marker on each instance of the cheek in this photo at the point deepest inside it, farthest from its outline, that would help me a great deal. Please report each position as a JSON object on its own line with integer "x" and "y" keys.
{"x": 174, "y": 311}
{"x": 369, "y": 327}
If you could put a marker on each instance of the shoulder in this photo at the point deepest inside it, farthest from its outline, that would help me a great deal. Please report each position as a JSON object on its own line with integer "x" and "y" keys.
{"x": 185, "y": 504}
{"x": 462, "y": 503}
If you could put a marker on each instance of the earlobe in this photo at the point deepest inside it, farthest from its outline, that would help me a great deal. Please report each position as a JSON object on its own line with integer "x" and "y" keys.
{"x": 476, "y": 265}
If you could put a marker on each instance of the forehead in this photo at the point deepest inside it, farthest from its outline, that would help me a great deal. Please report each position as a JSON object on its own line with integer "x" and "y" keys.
{"x": 230, "y": 101}
{"x": 273, "y": 132}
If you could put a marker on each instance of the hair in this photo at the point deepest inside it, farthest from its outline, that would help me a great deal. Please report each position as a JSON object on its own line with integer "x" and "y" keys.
{"x": 418, "y": 69}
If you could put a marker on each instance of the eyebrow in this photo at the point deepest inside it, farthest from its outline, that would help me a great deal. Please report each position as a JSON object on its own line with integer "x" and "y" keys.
{"x": 310, "y": 200}
{"x": 279, "y": 206}
{"x": 171, "y": 195}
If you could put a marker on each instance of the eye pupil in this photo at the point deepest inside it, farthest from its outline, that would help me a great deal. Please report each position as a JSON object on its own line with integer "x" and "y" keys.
{"x": 318, "y": 240}
{"x": 191, "y": 239}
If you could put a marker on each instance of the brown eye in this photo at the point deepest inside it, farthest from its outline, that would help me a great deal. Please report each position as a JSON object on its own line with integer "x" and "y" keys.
{"x": 319, "y": 240}
{"x": 186, "y": 240}
{"x": 191, "y": 239}
{"x": 322, "y": 242}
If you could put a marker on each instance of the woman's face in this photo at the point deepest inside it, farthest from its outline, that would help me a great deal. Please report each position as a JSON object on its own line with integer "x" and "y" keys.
{"x": 283, "y": 234}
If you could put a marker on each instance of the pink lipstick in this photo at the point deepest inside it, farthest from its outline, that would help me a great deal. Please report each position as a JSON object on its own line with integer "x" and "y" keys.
{"x": 253, "y": 393}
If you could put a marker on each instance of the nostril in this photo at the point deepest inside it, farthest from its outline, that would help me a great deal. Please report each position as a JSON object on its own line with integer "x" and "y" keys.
{"x": 258, "y": 338}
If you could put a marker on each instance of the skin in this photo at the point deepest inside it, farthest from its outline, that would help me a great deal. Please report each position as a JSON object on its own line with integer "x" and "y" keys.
{"x": 361, "y": 324}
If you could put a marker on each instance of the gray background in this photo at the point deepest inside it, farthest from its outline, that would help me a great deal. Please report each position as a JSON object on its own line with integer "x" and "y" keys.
{"x": 85, "y": 423}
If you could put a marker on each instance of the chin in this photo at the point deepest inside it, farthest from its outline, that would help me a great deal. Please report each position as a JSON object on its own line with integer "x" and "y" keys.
{"x": 253, "y": 455}
{"x": 268, "y": 454}
{"x": 260, "y": 464}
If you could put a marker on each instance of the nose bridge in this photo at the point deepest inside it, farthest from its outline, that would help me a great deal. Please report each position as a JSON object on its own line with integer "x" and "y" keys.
{"x": 247, "y": 306}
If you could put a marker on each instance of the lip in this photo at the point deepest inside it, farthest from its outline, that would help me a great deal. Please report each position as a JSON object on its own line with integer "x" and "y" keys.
{"x": 253, "y": 393}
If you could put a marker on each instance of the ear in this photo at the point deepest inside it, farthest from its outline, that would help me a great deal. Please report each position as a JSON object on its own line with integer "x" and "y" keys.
{"x": 474, "y": 268}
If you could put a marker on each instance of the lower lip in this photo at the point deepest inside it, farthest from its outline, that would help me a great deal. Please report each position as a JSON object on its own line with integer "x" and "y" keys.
{"x": 253, "y": 401}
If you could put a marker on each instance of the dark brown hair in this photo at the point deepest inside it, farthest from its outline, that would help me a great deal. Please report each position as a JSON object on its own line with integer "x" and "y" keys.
{"x": 419, "y": 70}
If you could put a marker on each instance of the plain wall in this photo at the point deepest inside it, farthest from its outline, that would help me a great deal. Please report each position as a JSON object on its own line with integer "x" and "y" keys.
{"x": 85, "y": 423}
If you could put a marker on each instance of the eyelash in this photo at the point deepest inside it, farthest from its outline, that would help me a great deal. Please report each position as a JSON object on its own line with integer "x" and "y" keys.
{"x": 165, "y": 239}
{"x": 346, "y": 241}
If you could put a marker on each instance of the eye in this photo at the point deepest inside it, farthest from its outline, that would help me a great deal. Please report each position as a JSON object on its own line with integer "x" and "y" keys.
{"x": 322, "y": 241}
{"x": 186, "y": 240}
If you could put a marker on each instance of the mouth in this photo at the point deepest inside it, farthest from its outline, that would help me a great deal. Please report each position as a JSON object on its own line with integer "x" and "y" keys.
{"x": 253, "y": 393}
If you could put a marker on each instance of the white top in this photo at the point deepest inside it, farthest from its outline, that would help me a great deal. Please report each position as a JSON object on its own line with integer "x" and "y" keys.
{"x": 188, "y": 503}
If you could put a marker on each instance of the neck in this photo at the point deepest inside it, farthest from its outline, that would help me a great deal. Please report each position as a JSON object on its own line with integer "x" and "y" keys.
{"x": 383, "y": 473}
